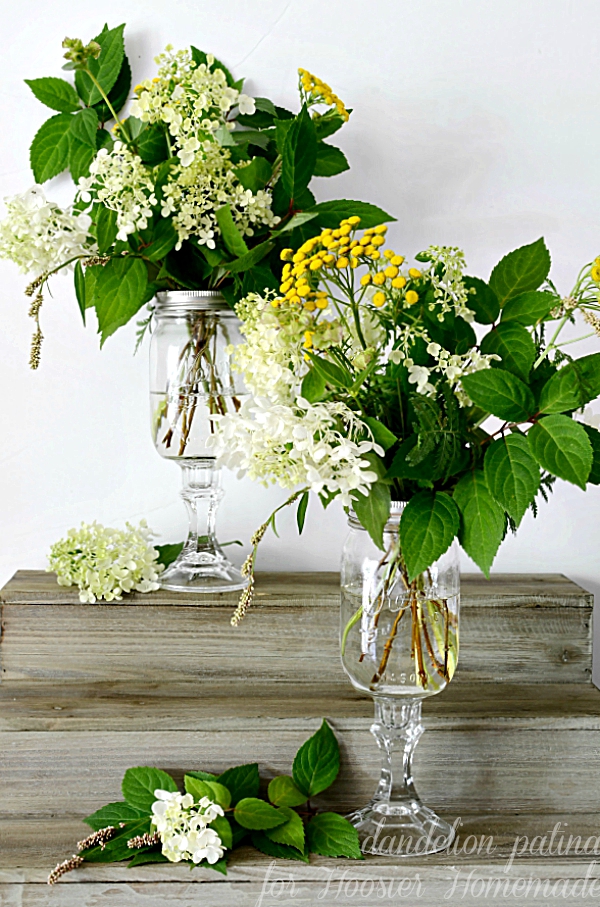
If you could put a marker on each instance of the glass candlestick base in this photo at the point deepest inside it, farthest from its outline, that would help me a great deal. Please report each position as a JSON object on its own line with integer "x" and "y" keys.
{"x": 395, "y": 822}
{"x": 202, "y": 565}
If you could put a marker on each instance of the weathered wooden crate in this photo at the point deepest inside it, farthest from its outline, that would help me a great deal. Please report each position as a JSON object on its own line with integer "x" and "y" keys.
{"x": 513, "y": 629}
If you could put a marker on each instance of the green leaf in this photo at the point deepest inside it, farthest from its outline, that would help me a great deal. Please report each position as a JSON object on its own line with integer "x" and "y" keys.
{"x": 202, "y": 776}
{"x": 327, "y": 124}
{"x": 513, "y": 343}
{"x": 299, "y": 154}
{"x": 166, "y": 555}
{"x": 152, "y": 145}
{"x": 428, "y": 525}
{"x": 80, "y": 158}
{"x": 562, "y": 447}
{"x": 55, "y": 93}
{"x": 279, "y": 851}
{"x": 381, "y": 435}
{"x": 291, "y": 832}
{"x": 529, "y": 308}
{"x": 242, "y": 781}
{"x": 301, "y": 512}
{"x": 265, "y": 105}
{"x": 119, "y": 293}
{"x": 282, "y": 127}
{"x": 331, "y": 213}
{"x": 572, "y": 386}
{"x": 215, "y": 791}
{"x": 330, "y": 160}
{"x": 373, "y": 510}
{"x": 330, "y": 372}
{"x": 113, "y": 813}
{"x": 313, "y": 386}
{"x": 403, "y": 468}
{"x": 245, "y": 262}
{"x": 244, "y": 137}
{"x": 49, "y": 153}
{"x": 84, "y": 126}
{"x": 255, "y": 175}
{"x": 231, "y": 235}
{"x": 164, "y": 238}
{"x": 223, "y": 829}
{"x": 512, "y": 474}
{"x": 483, "y": 301}
{"x": 302, "y": 217}
{"x": 257, "y": 815}
{"x": 501, "y": 393}
{"x": 79, "y": 278}
{"x": 331, "y": 835}
{"x": 483, "y": 520}
{"x": 317, "y": 762}
{"x": 594, "y": 436}
{"x": 118, "y": 94}
{"x": 140, "y": 783}
{"x": 283, "y": 792}
{"x": 106, "y": 227}
{"x": 524, "y": 269}
{"x": 105, "y": 69}
{"x": 147, "y": 856}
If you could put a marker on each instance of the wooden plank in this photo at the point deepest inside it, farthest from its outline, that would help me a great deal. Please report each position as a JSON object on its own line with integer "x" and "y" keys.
{"x": 463, "y": 769}
{"x": 517, "y": 629}
{"x": 141, "y": 707}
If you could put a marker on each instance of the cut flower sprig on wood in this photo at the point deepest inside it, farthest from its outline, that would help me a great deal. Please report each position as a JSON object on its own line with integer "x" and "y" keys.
{"x": 198, "y": 186}
{"x": 156, "y": 823}
{"x": 374, "y": 381}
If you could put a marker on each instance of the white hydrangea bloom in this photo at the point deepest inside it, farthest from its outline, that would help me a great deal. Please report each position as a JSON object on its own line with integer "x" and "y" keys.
{"x": 119, "y": 180}
{"x": 448, "y": 287}
{"x": 39, "y": 236}
{"x": 106, "y": 562}
{"x": 184, "y": 829}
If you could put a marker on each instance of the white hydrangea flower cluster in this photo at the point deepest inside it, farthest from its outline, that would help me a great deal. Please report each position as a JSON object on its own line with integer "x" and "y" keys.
{"x": 272, "y": 358}
{"x": 183, "y": 827}
{"x": 193, "y": 194}
{"x": 448, "y": 288}
{"x": 39, "y": 236}
{"x": 106, "y": 562}
{"x": 191, "y": 99}
{"x": 120, "y": 181}
{"x": 452, "y": 366}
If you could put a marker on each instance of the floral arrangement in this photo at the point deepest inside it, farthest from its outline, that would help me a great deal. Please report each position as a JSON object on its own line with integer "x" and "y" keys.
{"x": 156, "y": 823}
{"x": 103, "y": 563}
{"x": 198, "y": 187}
{"x": 372, "y": 381}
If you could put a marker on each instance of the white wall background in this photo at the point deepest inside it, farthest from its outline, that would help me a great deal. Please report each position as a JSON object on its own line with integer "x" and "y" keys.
{"x": 476, "y": 123}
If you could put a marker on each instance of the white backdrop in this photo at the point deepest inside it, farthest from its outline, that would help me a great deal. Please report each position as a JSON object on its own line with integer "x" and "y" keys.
{"x": 475, "y": 123}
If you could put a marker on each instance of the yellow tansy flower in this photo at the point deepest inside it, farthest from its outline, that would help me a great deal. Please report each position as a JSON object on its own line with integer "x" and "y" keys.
{"x": 315, "y": 264}
{"x": 354, "y": 220}
{"x": 329, "y": 259}
{"x": 342, "y": 263}
{"x": 377, "y": 241}
{"x": 379, "y": 279}
{"x": 389, "y": 253}
{"x": 411, "y": 297}
{"x": 309, "y": 305}
{"x": 375, "y": 255}
{"x": 286, "y": 254}
{"x": 397, "y": 260}
{"x": 399, "y": 282}
{"x": 365, "y": 280}
{"x": 378, "y": 299}
{"x": 414, "y": 273}
{"x": 322, "y": 302}
{"x": 391, "y": 271}
{"x": 380, "y": 229}
{"x": 596, "y": 273}
{"x": 299, "y": 256}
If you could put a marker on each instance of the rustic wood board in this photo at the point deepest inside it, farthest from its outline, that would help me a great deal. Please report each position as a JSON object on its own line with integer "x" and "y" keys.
{"x": 513, "y": 629}
{"x": 25, "y": 862}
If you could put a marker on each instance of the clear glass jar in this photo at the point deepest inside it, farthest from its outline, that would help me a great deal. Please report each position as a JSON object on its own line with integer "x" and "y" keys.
{"x": 191, "y": 378}
{"x": 399, "y": 643}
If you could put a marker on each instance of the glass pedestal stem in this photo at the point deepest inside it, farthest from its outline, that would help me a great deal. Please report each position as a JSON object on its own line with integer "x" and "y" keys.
{"x": 395, "y": 822}
{"x": 202, "y": 565}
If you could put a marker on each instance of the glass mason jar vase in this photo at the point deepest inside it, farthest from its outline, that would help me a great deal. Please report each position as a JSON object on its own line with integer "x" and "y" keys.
{"x": 399, "y": 644}
{"x": 191, "y": 379}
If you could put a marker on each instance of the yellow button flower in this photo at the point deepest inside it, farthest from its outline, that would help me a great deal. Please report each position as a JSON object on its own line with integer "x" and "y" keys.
{"x": 321, "y": 302}
{"x": 380, "y": 229}
{"x": 378, "y": 299}
{"x": 399, "y": 282}
{"x": 596, "y": 273}
{"x": 411, "y": 297}
{"x": 365, "y": 240}
{"x": 308, "y": 336}
{"x": 285, "y": 286}
{"x": 299, "y": 256}
{"x": 389, "y": 253}
{"x": 375, "y": 255}
{"x": 397, "y": 260}
{"x": 286, "y": 254}
{"x": 414, "y": 273}
{"x": 365, "y": 280}
{"x": 356, "y": 251}
{"x": 379, "y": 279}
{"x": 315, "y": 264}
{"x": 342, "y": 263}
{"x": 354, "y": 262}
{"x": 286, "y": 271}
{"x": 329, "y": 259}
{"x": 309, "y": 305}
{"x": 370, "y": 249}
{"x": 391, "y": 271}
{"x": 345, "y": 230}
{"x": 354, "y": 220}
{"x": 377, "y": 241}
{"x": 276, "y": 303}
{"x": 303, "y": 289}
{"x": 295, "y": 300}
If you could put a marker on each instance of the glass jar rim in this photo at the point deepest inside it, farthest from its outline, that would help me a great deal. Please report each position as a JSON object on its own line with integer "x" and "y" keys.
{"x": 396, "y": 510}
{"x": 176, "y": 301}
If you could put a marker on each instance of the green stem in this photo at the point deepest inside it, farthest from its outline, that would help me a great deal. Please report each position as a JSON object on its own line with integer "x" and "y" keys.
{"x": 109, "y": 105}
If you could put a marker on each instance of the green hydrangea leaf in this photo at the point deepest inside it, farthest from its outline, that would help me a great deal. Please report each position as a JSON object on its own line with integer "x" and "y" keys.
{"x": 500, "y": 393}
{"x": 482, "y": 300}
{"x": 483, "y": 519}
{"x": 562, "y": 447}
{"x": 317, "y": 762}
{"x": 119, "y": 293}
{"x": 299, "y": 154}
{"x": 49, "y": 153}
{"x": 118, "y": 94}
{"x": 278, "y": 851}
{"x": 291, "y": 832}
{"x": 330, "y": 160}
{"x": 105, "y": 69}
{"x": 84, "y": 126}
{"x": 331, "y": 835}
{"x": 257, "y": 815}
{"x": 283, "y": 792}
{"x": 232, "y": 237}
{"x": 242, "y": 781}
{"x": 529, "y": 308}
{"x": 512, "y": 474}
{"x": 594, "y": 436}
{"x": 524, "y": 269}
{"x": 572, "y": 386}
{"x": 513, "y": 343}
{"x": 373, "y": 510}
{"x": 429, "y": 523}
{"x": 113, "y": 813}
{"x": 140, "y": 783}
{"x": 57, "y": 94}
{"x": 331, "y": 213}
